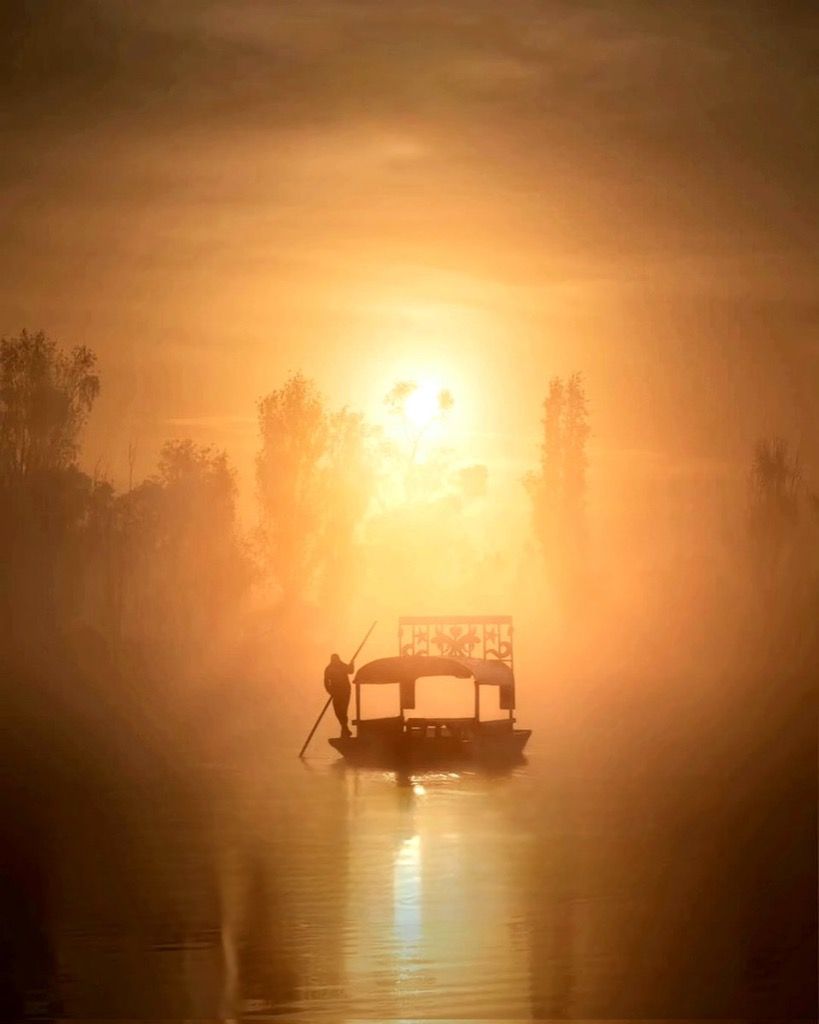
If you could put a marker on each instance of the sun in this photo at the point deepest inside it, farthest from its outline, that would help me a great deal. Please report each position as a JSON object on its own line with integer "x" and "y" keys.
{"x": 423, "y": 404}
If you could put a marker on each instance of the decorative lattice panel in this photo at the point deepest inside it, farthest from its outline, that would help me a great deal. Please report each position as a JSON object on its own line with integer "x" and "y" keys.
{"x": 466, "y": 636}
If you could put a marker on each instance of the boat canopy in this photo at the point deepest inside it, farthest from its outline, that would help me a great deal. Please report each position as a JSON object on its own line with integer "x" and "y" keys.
{"x": 407, "y": 668}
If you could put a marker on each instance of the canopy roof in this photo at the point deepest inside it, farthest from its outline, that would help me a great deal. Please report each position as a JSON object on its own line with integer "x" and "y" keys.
{"x": 408, "y": 668}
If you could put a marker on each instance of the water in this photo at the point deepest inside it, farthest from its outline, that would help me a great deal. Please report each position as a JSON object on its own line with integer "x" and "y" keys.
{"x": 578, "y": 885}
{"x": 313, "y": 891}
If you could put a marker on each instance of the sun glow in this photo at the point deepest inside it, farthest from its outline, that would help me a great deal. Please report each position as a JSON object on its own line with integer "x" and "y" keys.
{"x": 423, "y": 405}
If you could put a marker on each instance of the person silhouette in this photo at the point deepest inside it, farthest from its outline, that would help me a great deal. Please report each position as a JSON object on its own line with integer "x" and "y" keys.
{"x": 337, "y": 684}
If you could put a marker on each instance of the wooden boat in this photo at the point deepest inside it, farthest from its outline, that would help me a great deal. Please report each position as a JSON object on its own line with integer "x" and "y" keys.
{"x": 476, "y": 648}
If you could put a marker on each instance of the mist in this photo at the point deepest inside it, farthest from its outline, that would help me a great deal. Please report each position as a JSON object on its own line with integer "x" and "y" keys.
{"x": 328, "y": 314}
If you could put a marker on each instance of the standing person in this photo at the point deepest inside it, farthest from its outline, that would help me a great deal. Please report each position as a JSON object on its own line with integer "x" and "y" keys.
{"x": 337, "y": 684}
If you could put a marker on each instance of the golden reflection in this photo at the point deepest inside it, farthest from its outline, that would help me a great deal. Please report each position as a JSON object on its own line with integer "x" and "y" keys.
{"x": 407, "y": 892}
{"x": 429, "y": 909}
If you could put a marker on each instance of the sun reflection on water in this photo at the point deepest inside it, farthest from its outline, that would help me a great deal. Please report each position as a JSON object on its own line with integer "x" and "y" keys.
{"x": 429, "y": 914}
{"x": 407, "y": 893}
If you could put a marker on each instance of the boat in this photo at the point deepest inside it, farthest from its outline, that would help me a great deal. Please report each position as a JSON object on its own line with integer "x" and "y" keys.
{"x": 474, "y": 648}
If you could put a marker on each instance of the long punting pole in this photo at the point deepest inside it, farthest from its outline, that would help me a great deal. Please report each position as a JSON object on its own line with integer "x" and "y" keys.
{"x": 330, "y": 699}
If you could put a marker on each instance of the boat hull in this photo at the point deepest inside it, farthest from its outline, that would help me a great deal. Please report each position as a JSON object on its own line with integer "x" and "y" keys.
{"x": 406, "y": 749}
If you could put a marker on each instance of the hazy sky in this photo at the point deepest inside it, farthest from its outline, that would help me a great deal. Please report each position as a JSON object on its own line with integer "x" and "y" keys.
{"x": 212, "y": 193}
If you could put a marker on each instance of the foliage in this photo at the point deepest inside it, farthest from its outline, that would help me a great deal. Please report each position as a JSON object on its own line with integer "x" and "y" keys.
{"x": 558, "y": 490}
{"x": 784, "y": 537}
{"x": 45, "y": 397}
{"x": 183, "y": 568}
{"x": 775, "y": 499}
{"x": 575, "y": 462}
{"x": 775, "y": 481}
{"x": 313, "y": 483}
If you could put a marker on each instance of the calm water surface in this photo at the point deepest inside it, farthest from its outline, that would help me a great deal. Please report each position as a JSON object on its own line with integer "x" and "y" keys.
{"x": 313, "y": 891}
{"x": 309, "y": 890}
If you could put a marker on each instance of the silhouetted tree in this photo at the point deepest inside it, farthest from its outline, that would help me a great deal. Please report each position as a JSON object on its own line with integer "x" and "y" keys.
{"x": 575, "y": 437}
{"x": 775, "y": 483}
{"x": 558, "y": 490}
{"x": 99, "y": 562}
{"x": 785, "y": 551}
{"x": 180, "y": 567}
{"x": 313, "y": 487}
{"x": 45, "y": 397}
{"x": 552, "y": 454}
{"x": 46, "y": 394}
{"x": 350, "y": 481}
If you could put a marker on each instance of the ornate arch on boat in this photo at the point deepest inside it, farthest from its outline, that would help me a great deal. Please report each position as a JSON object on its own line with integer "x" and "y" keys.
{"x": 486, "y": 637}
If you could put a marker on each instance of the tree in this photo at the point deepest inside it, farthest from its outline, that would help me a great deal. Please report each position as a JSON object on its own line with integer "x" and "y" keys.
{"x": 775, "y": 483}
{"x": 350, "y": 475}
{"x": 575, "y": 462}
{"x": 558, "y": 490}
{"x": 180, "y": 566}
{"x": 46, "y": 394}
{"x": 545, "y": 487}
{"x": 313, "y": 481}
{"x": 45, "y": 397}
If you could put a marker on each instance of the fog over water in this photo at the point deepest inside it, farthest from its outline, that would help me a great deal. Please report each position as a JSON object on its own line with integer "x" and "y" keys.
{"x": 319, "y": 314}
{"x": 607, "y": 877}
